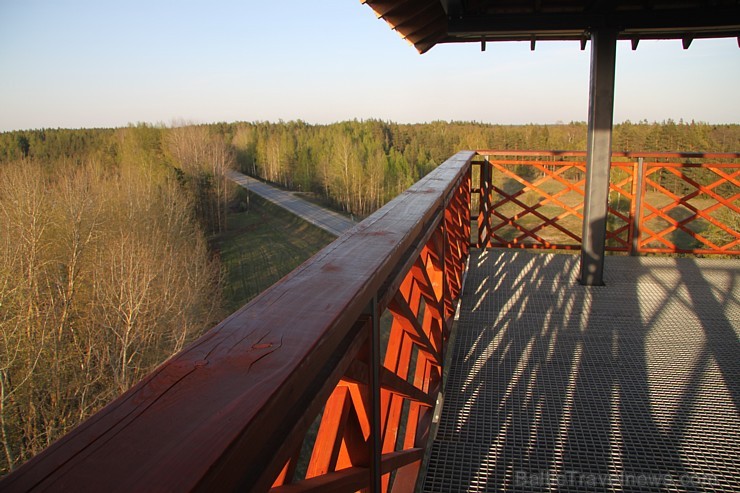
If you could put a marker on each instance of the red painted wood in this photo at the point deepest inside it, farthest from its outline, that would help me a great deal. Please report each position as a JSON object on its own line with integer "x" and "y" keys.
{"x": 286, "y": 474}
{"x": 352, "y": 479}
{"x": 630, "y": 155}
{"x": 330, "y": 434}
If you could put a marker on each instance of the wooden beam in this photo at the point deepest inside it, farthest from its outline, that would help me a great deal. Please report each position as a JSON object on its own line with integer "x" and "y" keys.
{"x": 679, "y": 20}
{"x": 453, "y": 8}
{"x": 390, "y": 381}
{"x": 353, "y": 478}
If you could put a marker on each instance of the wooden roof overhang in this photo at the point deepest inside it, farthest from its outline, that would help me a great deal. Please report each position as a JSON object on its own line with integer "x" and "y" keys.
{"x": 426, "y": 23}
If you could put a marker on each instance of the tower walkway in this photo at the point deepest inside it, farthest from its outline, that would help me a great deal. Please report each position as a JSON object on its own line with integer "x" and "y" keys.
{"x": 326, "y": 219}
{"x": 554, "y": 386}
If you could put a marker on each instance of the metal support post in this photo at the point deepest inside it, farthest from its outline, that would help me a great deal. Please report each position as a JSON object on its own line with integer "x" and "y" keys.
{"x": 598, "y": 155}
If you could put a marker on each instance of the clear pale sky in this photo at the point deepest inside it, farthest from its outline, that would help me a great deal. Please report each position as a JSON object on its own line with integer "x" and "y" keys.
{"x": 95, "y": 63}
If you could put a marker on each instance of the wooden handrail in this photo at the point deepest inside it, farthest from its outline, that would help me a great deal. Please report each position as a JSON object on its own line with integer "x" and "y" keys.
{"x": 632, "y": 155}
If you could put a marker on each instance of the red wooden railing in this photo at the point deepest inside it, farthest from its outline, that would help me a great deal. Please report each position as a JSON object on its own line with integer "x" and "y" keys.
{"x": 325, "y": 382}
{"x": 659, "y": 202}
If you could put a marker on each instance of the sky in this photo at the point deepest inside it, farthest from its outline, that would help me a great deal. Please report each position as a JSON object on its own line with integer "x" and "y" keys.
{"x": 93, "y": 63}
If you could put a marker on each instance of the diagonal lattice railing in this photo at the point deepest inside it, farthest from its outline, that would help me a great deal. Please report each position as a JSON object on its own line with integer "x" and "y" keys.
{"x": 522, "y": 204}
{"x": 535, "y": 200}
{"x": 691, "y": 208}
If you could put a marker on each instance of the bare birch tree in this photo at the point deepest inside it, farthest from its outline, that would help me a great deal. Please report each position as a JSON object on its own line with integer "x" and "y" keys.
{"x": 103, "y": 275}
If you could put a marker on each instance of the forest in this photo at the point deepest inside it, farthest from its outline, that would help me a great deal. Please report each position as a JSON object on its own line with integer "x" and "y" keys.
{"x": 358, "y": 166}
{"x": 108, "y": 263}
{"x": 105, "y": 269}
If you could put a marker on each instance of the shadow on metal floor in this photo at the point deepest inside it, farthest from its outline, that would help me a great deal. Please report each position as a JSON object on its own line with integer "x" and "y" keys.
{"x": 553, "y": 386}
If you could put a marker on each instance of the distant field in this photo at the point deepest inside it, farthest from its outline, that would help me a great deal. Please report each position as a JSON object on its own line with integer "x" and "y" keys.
{"x": 262, "y": 245}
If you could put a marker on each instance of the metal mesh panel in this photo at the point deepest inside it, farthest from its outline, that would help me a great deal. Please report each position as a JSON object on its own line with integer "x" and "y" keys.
{"x": 554, "y": 386}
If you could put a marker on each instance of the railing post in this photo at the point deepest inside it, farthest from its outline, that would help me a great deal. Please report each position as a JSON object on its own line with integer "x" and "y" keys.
{"x": 375, "y": 431}
{"x": 484, "y": 202}
{"x": 469, "y": 210}
{"x": 446, "y": 295}
{"x": 636, "y": 212}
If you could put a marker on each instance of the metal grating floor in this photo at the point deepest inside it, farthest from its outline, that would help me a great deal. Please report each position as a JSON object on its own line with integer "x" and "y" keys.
{"x": 553, "y": 386}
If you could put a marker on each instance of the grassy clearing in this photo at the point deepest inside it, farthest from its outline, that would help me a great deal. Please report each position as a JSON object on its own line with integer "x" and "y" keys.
{"x": 262, "y": 245}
